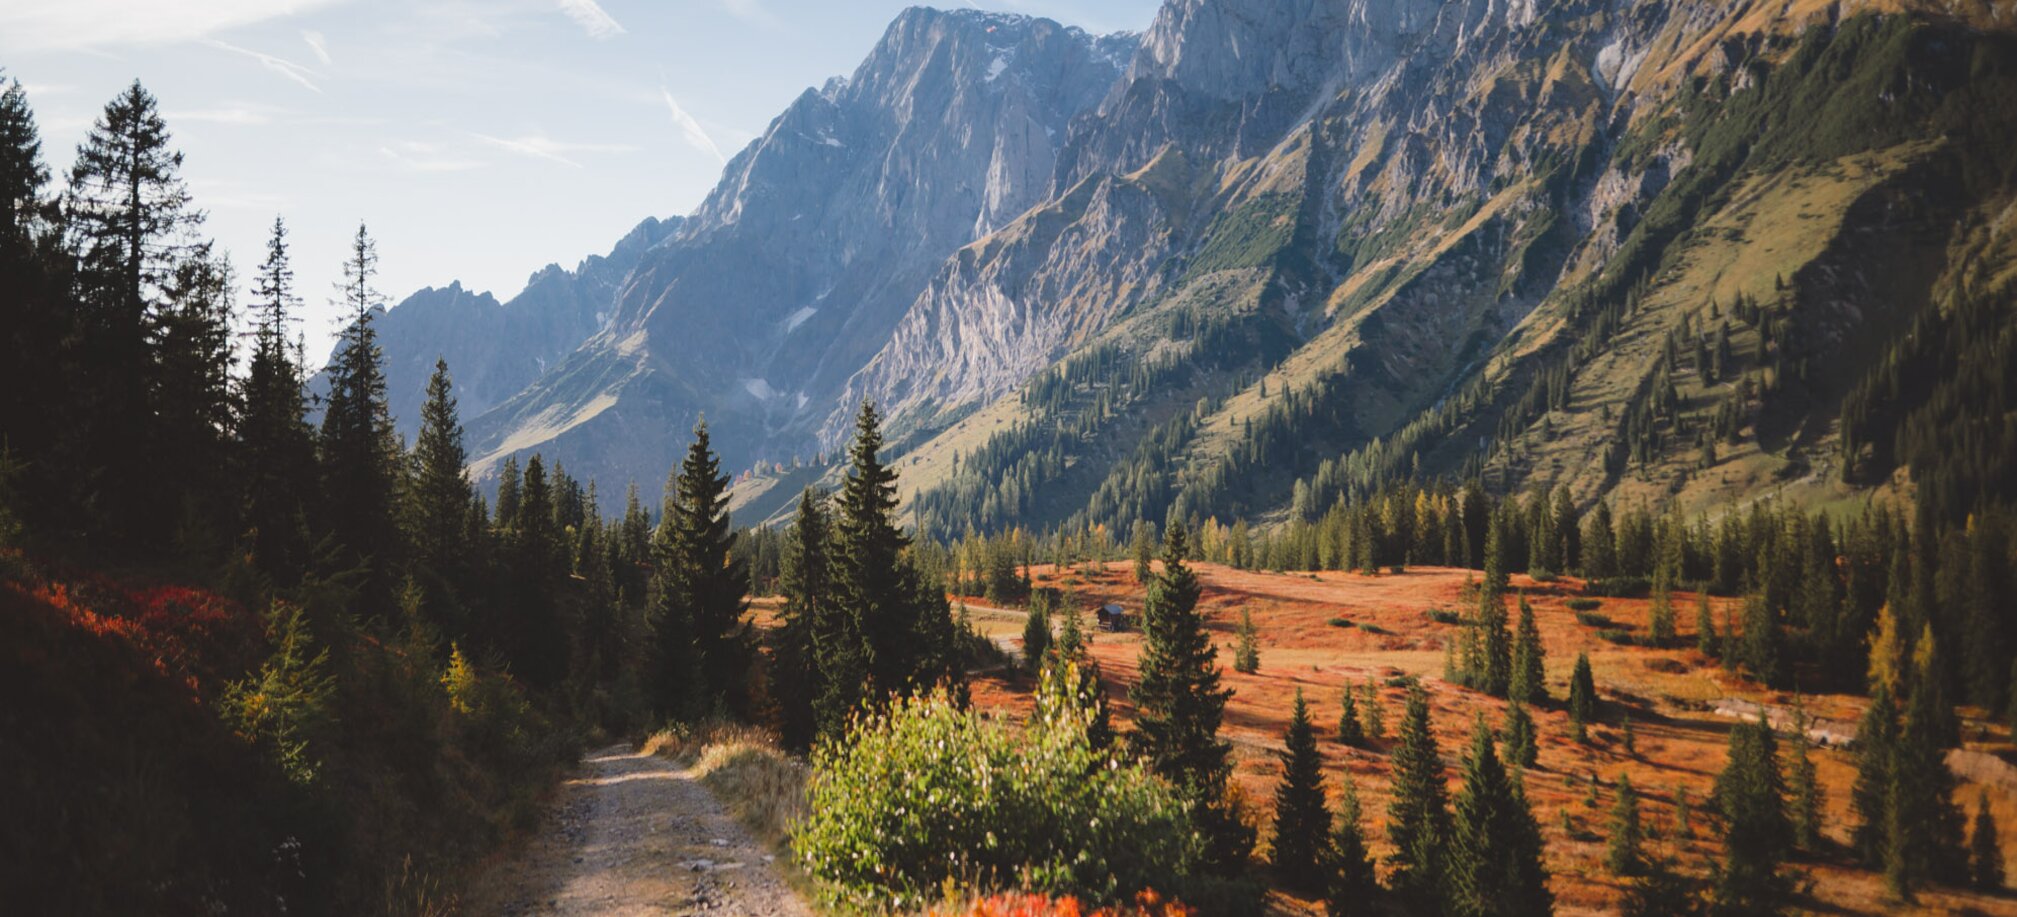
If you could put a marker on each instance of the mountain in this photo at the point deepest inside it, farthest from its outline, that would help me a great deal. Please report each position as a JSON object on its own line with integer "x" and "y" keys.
{"x": 794, "y": 270}
{"x": 495, "y": 350}
{"x": 1270, "y": 254}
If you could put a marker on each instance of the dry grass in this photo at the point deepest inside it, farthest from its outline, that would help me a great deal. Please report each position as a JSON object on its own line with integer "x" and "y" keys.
{"x": 760, "y": 784}
{"x": 1669, "y": 694}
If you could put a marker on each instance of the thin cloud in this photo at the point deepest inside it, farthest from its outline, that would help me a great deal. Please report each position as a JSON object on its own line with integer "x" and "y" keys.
{"x": 68, "y": 24}
{"x": 279, "y": 65}
{"x": 752, "y": 11}
{"x": 540, "y": 146}
{"x": 592, "y": 18}
{"x": 236, "y": 115}
{"x": 424, "y": 157}
{"x": 317, "y": 44}
{"x": 690, "y": 129}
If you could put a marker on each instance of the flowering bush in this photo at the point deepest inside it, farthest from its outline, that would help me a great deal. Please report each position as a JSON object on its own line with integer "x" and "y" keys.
{"x": 929, "y": 796}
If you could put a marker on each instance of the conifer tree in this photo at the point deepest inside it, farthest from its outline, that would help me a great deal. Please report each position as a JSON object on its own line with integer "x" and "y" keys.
{"x": 903, "y": 636}
{"x": 1418, "y": 813}
{"x": 1705, "y": 627}
{"x": 23, "y": 176}
{"x": 1070, "y": 650}
{"x": 1495, "y": 673}
{"x": 1761, "y": 648}
{"x": 1803, "y": 785}
{"x": 1302, "y": 820}
{"x": 1144, "y": 552}
{"x": 1985, "y": 851}
{"x": 1350, "y": 730}
{"x": 1373, "y": 711}
{"x": 438, "y": 501}
{"x": 1523, "y": 747}
{"x": 1582, "y": 698}
{"x": 1876, "y": 751}
{"x": 1037, "y": 632}
{"x": 1529, "y": 678}
{"x": 1750, "y": 793}
{"x": 359, "y": 452}
{"x": 805, "y": 579}
{"x": 276, "y": 447}
{"x": 1354, "y": 885}
{"x": 1179, "y": 705}
{"x": 1495, "y": 846}
{"x": 1621, "y": 853}
{"x": 1247, "y": 651}
{"x": 1923, "y": 840}
{"x": 1684, "y": 813}
{"x": 704, "y": 585}
{"x": 1660, "y": 623}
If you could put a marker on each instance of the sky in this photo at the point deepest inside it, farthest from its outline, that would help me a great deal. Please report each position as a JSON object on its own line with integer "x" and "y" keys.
{"x": 478, "y": 139}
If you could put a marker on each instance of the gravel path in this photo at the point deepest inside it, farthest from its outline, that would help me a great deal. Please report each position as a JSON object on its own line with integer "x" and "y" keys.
{"x": 638, "y": 834}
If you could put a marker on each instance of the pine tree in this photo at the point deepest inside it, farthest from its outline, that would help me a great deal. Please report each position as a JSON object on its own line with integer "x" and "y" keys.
{"x": 1582, "y": 698}
{"x": 1684, "y": 813}
{"x": 1751, "y": 796}
{"x": 1179, "y": 705}
{"x": 131, "y": 219}
{"x": 191, "y": 391}
{"x": 1350, "y": 730}
{"x": 1876, "y": 759}
{"x": 1705, "y": 627}
{"x": 1803, "y": 785}
{"x": 1661, "y": 892}
{"x": 902, "y": 637}
{"x": 703, "y": 586}
{"x": 1529, "y": 679}
{"x": 359, "y": 454}
{"x": 1037, "y": 632}
{"x": 1247, "y": 651}
{"x": 1985, "y": 851}
{"x": 1495, "y": 846}
{"x": 1070, "y": 650}
{"x": 1354, "y": 886}
{"x": 23, "y": 176}
{"x": 1660, "y": 625}
{"x": 1762, "y": 649}
{"x": 1144, "y": 552}
{"x": 1374, "y": 711}
{"x": 805, "y": 579}
{"x": 1523, "y": 746}
{"x": 276, "y": 447}
{"x": 1621, "y": 854}
{"x": 438, "y": 502}
{"x": 1923, "y": 840}
{"x": 1495, "y": 655}
{"x": 1418, "y": 813}
{"x": 1301, "y": 818}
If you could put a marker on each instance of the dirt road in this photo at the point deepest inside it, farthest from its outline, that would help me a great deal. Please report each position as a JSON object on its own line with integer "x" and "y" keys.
{"x": 635, "y": 834}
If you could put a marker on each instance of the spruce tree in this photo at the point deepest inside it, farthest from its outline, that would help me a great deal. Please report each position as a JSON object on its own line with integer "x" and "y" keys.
{"x": 1037, "y": 632}
{"x": 359, "y": 452}
{"x": 1803, "y": 785}
{"x": 1876, "y": 759}
{"x": 1354, "y": 885}
{"x": 805, "y": 579}
{"x": 1374, "y": 711}
{"x": 1761, "y": 645}
{"x": 705, "y": 584}
{"x": 903, "y": 628}
{"x": 1247, "y": 651}
{"x": 1302, "y": 820}
{"x": 1418, "y": 813}
{"x": 1660, "y": 623}
{"x": 1923, "y": 840}
{"x": 1495, "y": 673}
{"x": 1582, "y": 698}
{"x": 1985, "y": 851}
{"x": 1529, "y": 678}
{"x": 1350, "y": 730}
{"x": 1495, "y": 846}
{"x": 1621, "y": 853}
{"x": 275, "y": 463}
{"x": 1705, "y": 627}
{"x": 1179, "y": 705}
{"x": 1750, "y": 793}
{"x": 23, "y": 177}
{"x": 438, "y": 502}
{"x": 1070, "y": 650}
{"x": 1523, "y": 747}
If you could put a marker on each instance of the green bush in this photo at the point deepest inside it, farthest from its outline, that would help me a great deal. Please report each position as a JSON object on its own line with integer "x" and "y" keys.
{"x": 929, "y": 795}
{"x": 1341, "y": 622}
{"x": 1593, "y": 619}
{"x": 1542, "y": 576}
{"x": 1445, "y": 616}
{"x": 1375, "y": 629}
{"x": 1618, "y": 635}
{"x": 1585, "y": 604}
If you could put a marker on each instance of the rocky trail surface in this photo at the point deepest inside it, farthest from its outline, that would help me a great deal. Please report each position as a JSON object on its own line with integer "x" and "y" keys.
{"x": 633, "y": 833}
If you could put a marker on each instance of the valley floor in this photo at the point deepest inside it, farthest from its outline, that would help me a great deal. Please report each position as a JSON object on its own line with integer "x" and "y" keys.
{"x": 634, "y": 834}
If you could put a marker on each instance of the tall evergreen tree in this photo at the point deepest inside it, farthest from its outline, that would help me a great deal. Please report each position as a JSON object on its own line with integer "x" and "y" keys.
{"x": 1529, "y": 683}
{"x": 359, "y": 452}
{"x": 1354, "y": 885}
{"x": 1418, "y": 813}
{"x": 24, "y": 178}
{"x": 1705, "y": 627}
{"x": 1923, "y": 840}
{"x": 904, "y": 622}
{"x": 532, "y": 632}
{"x": 702, "y": 590}
{"x": 1803, "y": 784}
{"x": 36, "y": 394}
{"x": 1302, "y": 820}
{"x": 1350, "y": 730}
{"x": 1523, "y": 747}
{"x": 437, "y": 505}
{"x": 806, "y": 579}
{"x": 1247, "y": 650}
{"x": 1582, "y": 698}
{"x": 1750, "y": 793}
{"x": 1876, "y": 758}
{"x": 1037, "y": 632}
{"x": 1495, "y": 846}
{"x": 1621, "y": 852}
{"x": 276, "y": 447}
{"x": 1179, "y": 704}
{"x": 1762, "y": 642}
{"x": 1985, "y": 867}
{"x": 130, "y": 219}
{"x": 191, "y": 392}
